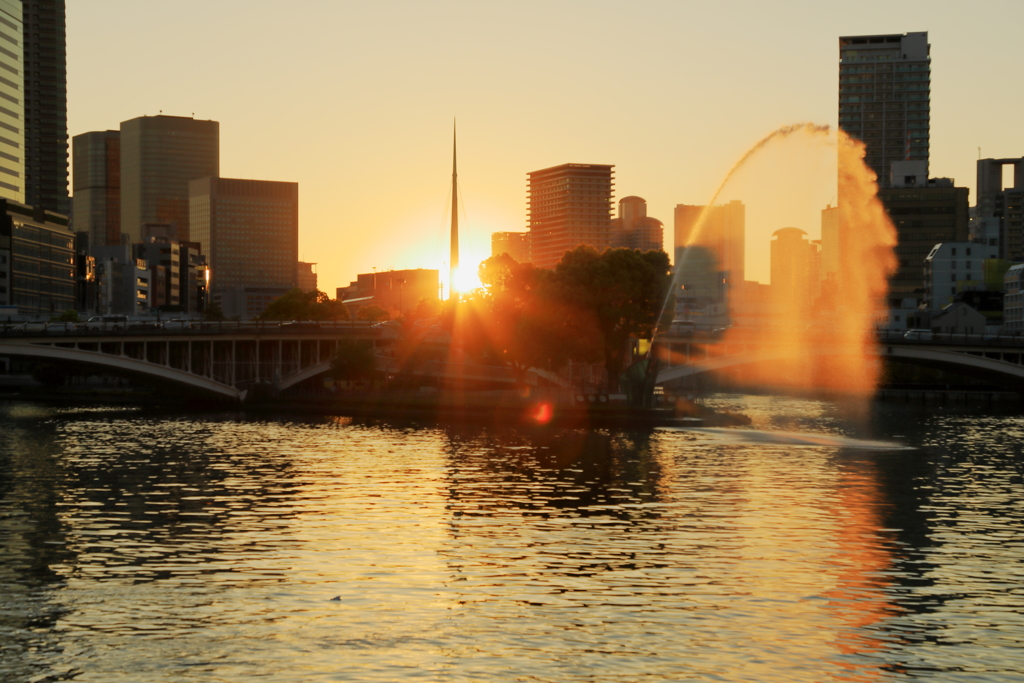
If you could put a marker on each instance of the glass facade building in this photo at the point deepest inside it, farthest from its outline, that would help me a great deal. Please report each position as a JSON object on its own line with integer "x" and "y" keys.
{"x": 249, "y": 231}
{"x": 97, "y": 185}
{"x": 37, "y": 260}
{"x": 160, "y": 155}
{"x": 12, "y": 101}
{"x": 884, "y": 97}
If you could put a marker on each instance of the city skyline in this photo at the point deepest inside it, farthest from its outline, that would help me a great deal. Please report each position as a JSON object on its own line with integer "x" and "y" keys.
{"x": 362, "y": 106}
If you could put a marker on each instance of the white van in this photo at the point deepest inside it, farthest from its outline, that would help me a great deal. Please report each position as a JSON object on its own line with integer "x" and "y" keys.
{"x": 106, "y": 323}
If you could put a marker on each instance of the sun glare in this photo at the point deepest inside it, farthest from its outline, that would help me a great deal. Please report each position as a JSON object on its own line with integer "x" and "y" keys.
{"x": 467, "y": 277}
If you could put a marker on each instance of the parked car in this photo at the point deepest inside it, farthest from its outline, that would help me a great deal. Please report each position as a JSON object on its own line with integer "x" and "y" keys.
{"x": 919, "y": 335}
{"x": 106, "y": 323}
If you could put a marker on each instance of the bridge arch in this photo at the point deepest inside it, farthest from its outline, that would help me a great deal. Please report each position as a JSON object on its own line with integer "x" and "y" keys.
{"x": 122, "y": 363}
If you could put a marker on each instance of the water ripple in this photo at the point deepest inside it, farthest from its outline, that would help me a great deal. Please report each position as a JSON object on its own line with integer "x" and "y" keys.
{"x": 134, "y": 547}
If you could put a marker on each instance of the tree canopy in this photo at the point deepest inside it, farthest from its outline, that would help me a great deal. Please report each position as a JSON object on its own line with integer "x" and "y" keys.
{"x": 299, "y": 305}
{"x": 586, "y": 309}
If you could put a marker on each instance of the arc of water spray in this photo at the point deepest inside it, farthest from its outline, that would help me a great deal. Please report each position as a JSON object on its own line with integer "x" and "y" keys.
{"x": 780, "y": 133}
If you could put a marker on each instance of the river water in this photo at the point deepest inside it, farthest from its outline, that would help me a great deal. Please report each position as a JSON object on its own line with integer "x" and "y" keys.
{"x": 144, "y": 547}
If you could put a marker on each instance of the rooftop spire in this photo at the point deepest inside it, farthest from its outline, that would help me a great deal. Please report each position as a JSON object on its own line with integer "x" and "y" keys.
{"x": 454, "y": 257}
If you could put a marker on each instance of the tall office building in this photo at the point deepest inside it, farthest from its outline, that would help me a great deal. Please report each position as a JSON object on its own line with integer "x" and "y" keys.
{"x": 97, "y": 186}
{"x": 569, "y": 205}
{"x": 925, "y": 212}
{"x": 723, "y": 232}
{"x": 46, "y": 105}
{"x": 12, "y": 102}
{"x": 249, "y": 231}
{"x": 634, "y": 229}
{"x": 884, "y": 97}
{"x": 1003, "y": 206}
{"x": 160, "y": 155}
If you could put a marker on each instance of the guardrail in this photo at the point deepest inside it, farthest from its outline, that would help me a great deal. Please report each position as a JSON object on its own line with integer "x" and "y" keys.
{"x": 135, "y": 328}
{"x": 946, "y": 338}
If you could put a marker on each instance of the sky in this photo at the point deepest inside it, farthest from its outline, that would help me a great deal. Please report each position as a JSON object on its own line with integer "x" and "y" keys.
{"x": 356, "y": 101}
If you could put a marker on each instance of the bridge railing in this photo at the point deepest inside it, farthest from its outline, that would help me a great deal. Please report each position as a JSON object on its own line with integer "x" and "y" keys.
{"x": 158, "y": 328}
{"x": 947, "y": 338}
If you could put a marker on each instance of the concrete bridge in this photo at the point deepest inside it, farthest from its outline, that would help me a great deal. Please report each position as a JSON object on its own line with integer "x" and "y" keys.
{"x": 999, "y": 359}
{"x": 229, "y": 359}
{"x": 225, "y": 359}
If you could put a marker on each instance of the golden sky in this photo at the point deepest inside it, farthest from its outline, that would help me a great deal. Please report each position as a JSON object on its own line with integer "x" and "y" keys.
{"x": 355, "y": 101}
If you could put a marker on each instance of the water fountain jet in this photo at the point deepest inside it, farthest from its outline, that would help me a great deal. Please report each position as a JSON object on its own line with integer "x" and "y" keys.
{"x": 817, "y": 342}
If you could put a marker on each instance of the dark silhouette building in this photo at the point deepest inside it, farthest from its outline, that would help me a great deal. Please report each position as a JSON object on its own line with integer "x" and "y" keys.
{"x": 46, "y": 105}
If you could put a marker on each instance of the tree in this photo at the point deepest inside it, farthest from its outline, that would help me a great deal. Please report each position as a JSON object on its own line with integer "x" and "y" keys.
{"x": 354, "y": 359}
{"x": 68, "y": 316}
{"x": 299, "y": 305}
{"x": 622, "y": 290}
{"x": 372, "y": 313}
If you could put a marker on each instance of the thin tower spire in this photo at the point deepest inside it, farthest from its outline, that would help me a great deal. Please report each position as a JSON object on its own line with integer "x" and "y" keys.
{"x": 454, "y": 256}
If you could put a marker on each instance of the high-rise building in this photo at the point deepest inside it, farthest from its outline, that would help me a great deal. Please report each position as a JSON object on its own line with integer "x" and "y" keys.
{"x": 12, "y": 102}
{"x": 306, "y": 277}
{"x": 723, "y": 232}
{"x": 249, "y": 231}
{"x": 515, "y": 244}
{"x": 634, "y": 229}
{"x": 1004, "y": 204}
{"x": 795, "y": 269}
{"x": 160, "y": 155}
{"x": 925, "y": 211}
{"x": 46, "y": 105}
{"x": 884, "y": 97}
{"x": 97, "y": 186}
{"x": 569, "y": 205}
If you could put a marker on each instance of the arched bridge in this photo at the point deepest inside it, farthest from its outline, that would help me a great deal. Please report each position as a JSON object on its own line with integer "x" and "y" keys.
{"x": 226, "y": 359}
{"x": 998, "y": 357}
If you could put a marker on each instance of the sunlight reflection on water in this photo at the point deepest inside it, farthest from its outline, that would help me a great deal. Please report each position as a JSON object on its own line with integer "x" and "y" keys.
{"x": 138, "y": 548}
